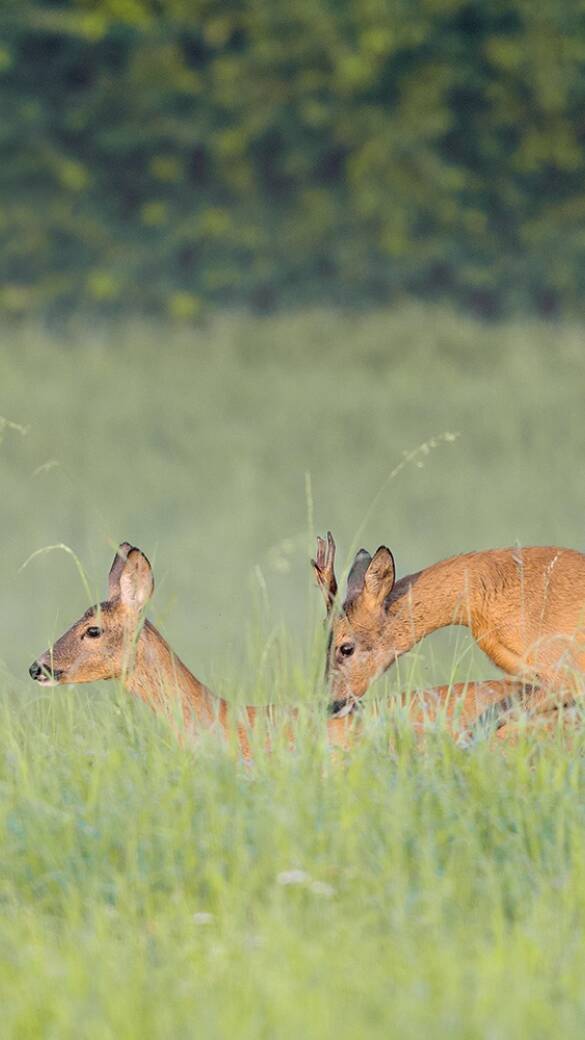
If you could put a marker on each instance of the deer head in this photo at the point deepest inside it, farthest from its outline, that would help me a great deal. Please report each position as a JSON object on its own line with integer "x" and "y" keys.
{"x": 100, "y": 644}
{"x": 355, "y": 653}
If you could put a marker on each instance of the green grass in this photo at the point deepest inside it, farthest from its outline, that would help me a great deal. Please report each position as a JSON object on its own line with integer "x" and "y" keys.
{"x": 142, "y": 894}
{"x": 141, "y": 885}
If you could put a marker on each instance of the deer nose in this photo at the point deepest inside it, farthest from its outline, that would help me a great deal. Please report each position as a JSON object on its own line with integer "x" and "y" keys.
{"x": 35, "y": 671}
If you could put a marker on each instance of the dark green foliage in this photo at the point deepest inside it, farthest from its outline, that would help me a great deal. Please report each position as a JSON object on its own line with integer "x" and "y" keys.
{"x": 164, "y": 154}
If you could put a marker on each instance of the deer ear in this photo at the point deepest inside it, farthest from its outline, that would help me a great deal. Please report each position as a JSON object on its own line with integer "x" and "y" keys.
{"x": 380, "y": 577}
{"x": 116, "y": 569}
{"x": 357, "y": 573}
{"x": 135, "y": 580}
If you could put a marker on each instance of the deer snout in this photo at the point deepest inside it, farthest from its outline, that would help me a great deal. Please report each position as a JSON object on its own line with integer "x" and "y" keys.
{"x": 43, "y": 674}
{"x": 35, "y": 671}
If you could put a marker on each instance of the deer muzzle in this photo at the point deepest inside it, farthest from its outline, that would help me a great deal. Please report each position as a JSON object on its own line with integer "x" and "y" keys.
{"x": 44, "y": 675}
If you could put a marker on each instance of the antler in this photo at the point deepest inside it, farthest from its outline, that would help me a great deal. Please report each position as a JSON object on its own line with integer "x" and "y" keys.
{"x": 324, "y": 567}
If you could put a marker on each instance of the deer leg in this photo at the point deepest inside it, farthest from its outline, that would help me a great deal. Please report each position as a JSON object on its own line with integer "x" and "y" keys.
{"x": 541, "y": 725}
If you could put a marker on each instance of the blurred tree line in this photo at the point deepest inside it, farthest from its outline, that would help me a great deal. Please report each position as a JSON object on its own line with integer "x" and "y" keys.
{"x": 168, "y": 154}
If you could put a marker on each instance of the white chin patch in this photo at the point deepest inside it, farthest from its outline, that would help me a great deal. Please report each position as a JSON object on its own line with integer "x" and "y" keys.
{"x": 45, "y": 681}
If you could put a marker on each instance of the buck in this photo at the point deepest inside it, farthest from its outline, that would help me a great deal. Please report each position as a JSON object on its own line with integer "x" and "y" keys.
{"x": 525, "y": 609}
{"x": 114, "y": 640}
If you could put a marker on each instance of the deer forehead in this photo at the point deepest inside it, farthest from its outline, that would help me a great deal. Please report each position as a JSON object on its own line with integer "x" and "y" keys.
{"x": 362, "y": 630}
{"x": 100, "y": 612}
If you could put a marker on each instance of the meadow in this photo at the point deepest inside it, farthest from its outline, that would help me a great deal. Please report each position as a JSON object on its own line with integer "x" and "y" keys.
{"x": 151, "y": 891}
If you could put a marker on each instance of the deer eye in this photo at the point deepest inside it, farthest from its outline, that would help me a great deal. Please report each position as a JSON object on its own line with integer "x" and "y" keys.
{"x": 346, "y": 649}
{"x": 93, "y": 632}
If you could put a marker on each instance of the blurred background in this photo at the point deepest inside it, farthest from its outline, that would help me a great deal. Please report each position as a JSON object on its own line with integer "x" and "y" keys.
{"x": 165, "y": 155}
{"x": 250, "y": 255}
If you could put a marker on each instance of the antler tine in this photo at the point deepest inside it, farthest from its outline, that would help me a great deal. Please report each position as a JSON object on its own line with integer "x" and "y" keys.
{"x": 324, "y": 567}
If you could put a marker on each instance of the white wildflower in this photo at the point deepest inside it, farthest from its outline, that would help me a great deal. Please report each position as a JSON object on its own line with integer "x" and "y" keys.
{"x": 293, "y": 877}
{"x": 202, "y": 917}
{"x": 322, "y": 888}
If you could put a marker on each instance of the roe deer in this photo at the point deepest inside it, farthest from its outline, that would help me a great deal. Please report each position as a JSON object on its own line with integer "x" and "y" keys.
{"x": 114, "y": 641}
{"x": 525, "y": 609}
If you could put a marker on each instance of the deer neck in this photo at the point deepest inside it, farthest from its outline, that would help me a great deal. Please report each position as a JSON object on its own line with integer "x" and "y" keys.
{"x": 421, "y": 603}
{"x": 162, "y": 681}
